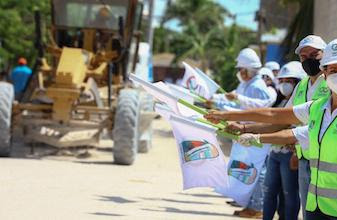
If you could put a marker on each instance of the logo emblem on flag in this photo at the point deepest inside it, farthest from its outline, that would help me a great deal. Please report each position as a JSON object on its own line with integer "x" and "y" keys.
{"x": 198, "y": 150}
{"x": 191, "y": 83}
{"x": 242, "y": 172}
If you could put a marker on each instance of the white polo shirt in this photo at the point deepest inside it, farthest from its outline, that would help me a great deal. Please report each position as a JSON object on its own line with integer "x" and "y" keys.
{"x": 302, "y": 113}
{"x": 311, "y": 89}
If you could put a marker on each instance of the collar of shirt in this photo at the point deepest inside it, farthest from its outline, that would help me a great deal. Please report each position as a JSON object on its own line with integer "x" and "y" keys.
{"x": 330, "y": 115}
{"x": 312, "y": 87}
{"x": 251, "y": 81}
{"x": 327, "y": 118}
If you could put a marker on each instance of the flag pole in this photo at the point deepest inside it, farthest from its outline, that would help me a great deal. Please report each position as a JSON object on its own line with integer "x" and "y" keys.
{"x": 221, "y": 132}
{"x": 199, "y": 110}
{"x": 222, "y": 90}
{"x": 193, "y": 107}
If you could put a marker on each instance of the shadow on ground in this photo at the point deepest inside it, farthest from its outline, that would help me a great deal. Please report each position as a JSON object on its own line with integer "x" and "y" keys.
{"x": 180, "y": 211}
{"x": 177, "y": 201}
{"x": 115, "y": 199}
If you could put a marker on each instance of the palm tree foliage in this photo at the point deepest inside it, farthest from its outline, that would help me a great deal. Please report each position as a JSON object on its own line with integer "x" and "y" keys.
{"x": 204, "y": 37}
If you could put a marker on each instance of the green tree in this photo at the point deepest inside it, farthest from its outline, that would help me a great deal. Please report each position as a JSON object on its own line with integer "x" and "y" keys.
{"x": 205, "y": 38}
{"x": 17, "y": 28}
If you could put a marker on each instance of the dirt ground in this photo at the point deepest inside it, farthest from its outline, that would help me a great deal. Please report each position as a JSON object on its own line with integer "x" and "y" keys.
{"x": 87, "y": 185}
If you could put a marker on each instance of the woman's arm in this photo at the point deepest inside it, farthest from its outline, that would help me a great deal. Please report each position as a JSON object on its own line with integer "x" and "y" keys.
{"x": 265, "y": 115}
{"x": 255, "y": 128}
{"x": 284, "y": 137}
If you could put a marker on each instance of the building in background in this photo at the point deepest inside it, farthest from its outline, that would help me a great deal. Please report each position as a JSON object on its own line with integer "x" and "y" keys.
{"x": 325, "y": 22}
{"x": 276, "y": 20}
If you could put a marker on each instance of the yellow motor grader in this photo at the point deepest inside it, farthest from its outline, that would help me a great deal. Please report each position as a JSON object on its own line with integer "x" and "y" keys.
{"x": 79, "y": 88}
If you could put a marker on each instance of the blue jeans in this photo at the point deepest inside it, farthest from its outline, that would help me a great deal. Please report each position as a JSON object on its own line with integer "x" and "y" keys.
{"x": 303, "y": 182}
{"x": 280, "y": 176}
{"x": 256, "y": 200}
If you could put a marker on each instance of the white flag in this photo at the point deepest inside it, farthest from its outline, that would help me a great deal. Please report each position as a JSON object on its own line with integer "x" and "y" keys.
{"x": 194, "y": 82}
{"x": 163, "y": 110}
{"x": 202, "y": 161}
{"x": 159, "y": 91}
{"x": 213, "y": 87}
{"x": 182, "y": 92}
{"x": 244, "y": 169}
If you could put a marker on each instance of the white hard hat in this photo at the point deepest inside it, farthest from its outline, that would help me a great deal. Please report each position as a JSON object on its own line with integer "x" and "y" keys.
{"x": 248, "y": 58}
{"x": 264, "y": 71}
{"x": 330, "y": 54}
{"x": 292, "y": 69}
{"x": 272, "y": 65}
{"x": 311, "y": 41}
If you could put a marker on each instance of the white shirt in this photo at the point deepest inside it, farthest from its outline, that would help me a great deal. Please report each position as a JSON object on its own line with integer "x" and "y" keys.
{"x": 302, "y": 136}
{"x": 249, "y": 103}
{"x": 302, "y": 113}
{"x": 311, "y": 89}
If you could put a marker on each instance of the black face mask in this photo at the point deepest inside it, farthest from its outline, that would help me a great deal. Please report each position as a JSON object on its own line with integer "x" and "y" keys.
{"x": 311, "y": 66}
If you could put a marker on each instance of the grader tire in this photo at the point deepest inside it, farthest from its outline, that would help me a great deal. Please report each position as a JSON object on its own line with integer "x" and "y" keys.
{"x": 6, "y": 102}
{"x": 125, "y": 132}
{"x": 145, "y": 141}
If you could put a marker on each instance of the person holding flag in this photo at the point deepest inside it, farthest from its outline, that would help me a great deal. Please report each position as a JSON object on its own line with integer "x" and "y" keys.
{"x": 251, "y": 86}
{"x": 312, "y": 87}
{"x": 282, "y": 175}
{"x": 320, "y": 116}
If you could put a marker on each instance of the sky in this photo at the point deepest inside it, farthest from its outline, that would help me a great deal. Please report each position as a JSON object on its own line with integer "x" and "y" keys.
{"x": 245, "y": 10}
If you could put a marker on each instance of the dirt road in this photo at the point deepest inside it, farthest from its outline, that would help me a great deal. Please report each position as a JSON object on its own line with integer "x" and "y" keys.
{"x": 61, "y": 187}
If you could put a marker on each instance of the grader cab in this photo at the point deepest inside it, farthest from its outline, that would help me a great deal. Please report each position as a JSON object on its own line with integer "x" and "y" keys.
{"x": 79, "y": 89}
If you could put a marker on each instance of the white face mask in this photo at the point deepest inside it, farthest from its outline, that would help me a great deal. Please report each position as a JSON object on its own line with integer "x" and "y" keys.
{"x": 286, "y": 88}
{"x": 238, "y": 75}
{"x": 332, "y": 82}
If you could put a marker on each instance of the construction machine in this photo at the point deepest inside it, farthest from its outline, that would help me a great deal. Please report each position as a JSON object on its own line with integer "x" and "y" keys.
{"x": 80, "y": 89}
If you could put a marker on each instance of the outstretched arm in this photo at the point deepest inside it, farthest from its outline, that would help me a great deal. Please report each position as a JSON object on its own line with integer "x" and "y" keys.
{"x": 284, "y": 137}
{"x": 255, "y": 128}
{"x": 265, "y": 115}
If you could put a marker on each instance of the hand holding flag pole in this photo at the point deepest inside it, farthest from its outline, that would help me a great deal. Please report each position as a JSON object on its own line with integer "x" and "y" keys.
{"x": 171, "y": 100}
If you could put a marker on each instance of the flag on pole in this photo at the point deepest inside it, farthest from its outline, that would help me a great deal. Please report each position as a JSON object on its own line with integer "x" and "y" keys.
{"x": 163, "y": 110}
{"x": 201, "y": 159}
{"x": 182, "y": 93}
{"x": 194, "y": 82}
{"x": 244, "y": 168}
{"x": 159, "y": 91}
{"x": 213, "y": 87}
{"x": 186, "y": 92}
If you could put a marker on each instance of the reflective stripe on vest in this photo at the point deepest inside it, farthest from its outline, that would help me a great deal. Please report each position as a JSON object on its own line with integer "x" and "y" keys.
{"x": 323, "y": 162}
{"x": 321, "y": 91}
{"x": 328, "y": 193}
{"x": 324, "y": 166}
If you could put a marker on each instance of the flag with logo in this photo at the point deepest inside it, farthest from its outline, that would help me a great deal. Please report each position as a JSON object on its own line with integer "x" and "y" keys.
{"x": 202, "y": 161}
{"x": 194, "y": 82}
{"x": 212, "y": 86}
{"x": 243, "y": 169}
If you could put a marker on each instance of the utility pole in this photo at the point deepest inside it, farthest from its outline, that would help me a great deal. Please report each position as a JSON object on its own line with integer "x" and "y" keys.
{"x": 149, "y": 32}
{"x": 260, "y": 17}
